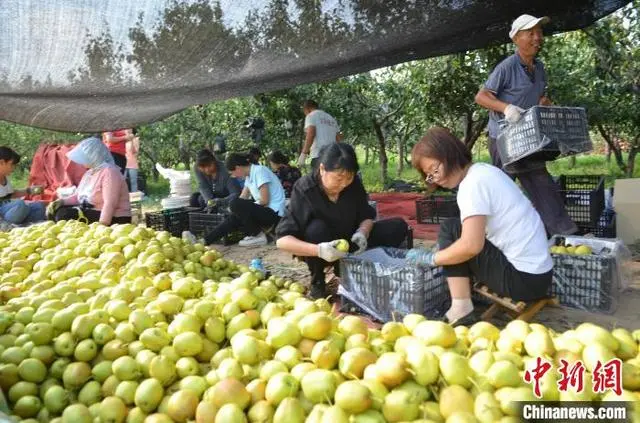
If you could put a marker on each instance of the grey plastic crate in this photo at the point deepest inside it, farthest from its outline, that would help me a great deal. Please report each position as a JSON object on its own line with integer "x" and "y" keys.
{"x": 387, "y": 288}
{"x": 589, "y": 282}
{"x": 544, "y": 133}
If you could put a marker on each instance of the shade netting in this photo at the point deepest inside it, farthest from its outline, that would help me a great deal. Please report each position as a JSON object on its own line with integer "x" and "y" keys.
{"x": 89, "y": 65}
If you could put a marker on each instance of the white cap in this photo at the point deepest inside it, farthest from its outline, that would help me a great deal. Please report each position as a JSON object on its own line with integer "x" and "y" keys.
{"x": 524, "y": 22}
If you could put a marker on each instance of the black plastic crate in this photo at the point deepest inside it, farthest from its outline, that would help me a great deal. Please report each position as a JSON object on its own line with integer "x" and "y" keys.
{"x": 583, "y": 197}
{"x": 544, "y": 133}
{"x": 435, "y": 209}
{"x": 201, "y": 222}
{"x": 388, "y": 291}
{"x": 174, "y": 221}
{"x": 587, "y": 282}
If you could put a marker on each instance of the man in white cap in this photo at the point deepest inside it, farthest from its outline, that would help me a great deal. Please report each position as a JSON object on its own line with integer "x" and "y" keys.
{"x": 516, "y": 84}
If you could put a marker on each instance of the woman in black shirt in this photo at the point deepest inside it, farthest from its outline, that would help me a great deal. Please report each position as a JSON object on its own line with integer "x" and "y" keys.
{"x": 287, "y": 174}
{"x": 328, "y": 205}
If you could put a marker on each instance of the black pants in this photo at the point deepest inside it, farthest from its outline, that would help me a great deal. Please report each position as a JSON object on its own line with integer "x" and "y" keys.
{"x": 492, "y": 268}
{"x": 543, "y": 193}
{"x": 121, "y": 161}
{"x": 92, "y": 215}
{"x": 245, "y": 214}
{"x": 385, "y": 233}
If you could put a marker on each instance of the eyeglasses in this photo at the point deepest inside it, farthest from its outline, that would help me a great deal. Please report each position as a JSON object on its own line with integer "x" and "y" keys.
{"x": 434, "y": 175}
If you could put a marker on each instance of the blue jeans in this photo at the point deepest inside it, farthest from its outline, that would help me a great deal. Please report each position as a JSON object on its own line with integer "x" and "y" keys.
{"x": 133, "y": 179}
{"x": 18, "y": 212}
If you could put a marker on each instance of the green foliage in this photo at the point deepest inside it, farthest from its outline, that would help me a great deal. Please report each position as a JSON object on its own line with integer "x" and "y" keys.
{"x": 383, "y": 112}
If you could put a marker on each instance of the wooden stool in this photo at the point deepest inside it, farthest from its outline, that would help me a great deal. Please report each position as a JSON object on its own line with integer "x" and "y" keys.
{"x": 517, "y": 310}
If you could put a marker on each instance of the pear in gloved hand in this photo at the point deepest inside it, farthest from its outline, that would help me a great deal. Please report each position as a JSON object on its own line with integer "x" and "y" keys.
{"x": 328, "y": 251}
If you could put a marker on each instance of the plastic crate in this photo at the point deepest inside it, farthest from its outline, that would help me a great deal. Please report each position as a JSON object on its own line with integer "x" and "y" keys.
{"x": 606, "y": 227}
{"x": 379, "y": 283}
{"x": 588, "y": 282}
{"x": 434, "y": 209}
{"x": 544, "y": 133}
{"x": 583, "y": 197}
{"x": 200, "y": 222}
{"x": 174, "y": 221}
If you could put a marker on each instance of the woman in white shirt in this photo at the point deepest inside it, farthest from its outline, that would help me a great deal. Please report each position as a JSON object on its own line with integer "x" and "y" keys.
{"x": 499, "y": 238}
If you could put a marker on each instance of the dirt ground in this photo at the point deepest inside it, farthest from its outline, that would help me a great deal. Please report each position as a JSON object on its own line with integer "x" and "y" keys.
{"x": 559, "y": 318}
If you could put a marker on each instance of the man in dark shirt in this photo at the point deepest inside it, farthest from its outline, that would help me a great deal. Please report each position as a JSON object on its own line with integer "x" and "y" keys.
{"x": 214, "y": 182}
{"x": 319, "y": 214}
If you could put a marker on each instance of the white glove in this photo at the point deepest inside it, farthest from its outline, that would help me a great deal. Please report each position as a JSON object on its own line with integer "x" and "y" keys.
{"x": 513, "y": 113}
{"x": 360, "y": 240}
{"x": 327, "y": 251}
{"x": 302, "y": 159}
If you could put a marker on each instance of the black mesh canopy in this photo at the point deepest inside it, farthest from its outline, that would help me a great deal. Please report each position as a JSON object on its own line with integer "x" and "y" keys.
{"x": 89, "y": 65}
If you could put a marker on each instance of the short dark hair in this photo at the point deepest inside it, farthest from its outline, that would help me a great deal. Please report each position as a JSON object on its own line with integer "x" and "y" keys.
{"x": 236, "y": 159}
{"x": 278, "y": 157}
{"x": 8, "y": 155}
{"x": 254, "y": 154}
{"x": 310, "y": 104}
{"x": 204, "y": 158}
{"x": 440, "y": 144}
{"x": 339, "y": 156}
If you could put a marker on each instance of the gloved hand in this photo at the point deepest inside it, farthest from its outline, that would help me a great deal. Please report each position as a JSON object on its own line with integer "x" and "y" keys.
{"x": 53, "y": 207}
{"x": 421, "y": 257}
{"x": 327, "y": 251}
{"x": 301, "y": 159}
{"x": 360, "y": 240}
{"x": 512, "y": 113}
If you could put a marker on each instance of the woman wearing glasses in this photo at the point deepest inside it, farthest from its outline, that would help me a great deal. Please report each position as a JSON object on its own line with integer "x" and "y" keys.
{"x": 499, "y": 238}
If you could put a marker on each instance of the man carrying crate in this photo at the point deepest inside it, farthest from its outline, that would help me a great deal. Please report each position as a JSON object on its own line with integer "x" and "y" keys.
{"x": 516, "y": 84}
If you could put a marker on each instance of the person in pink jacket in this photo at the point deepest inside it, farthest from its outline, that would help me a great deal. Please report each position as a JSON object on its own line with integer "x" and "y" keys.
{"x": 102, "y": 194}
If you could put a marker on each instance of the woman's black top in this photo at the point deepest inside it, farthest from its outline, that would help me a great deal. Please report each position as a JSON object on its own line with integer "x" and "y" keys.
{"x": 309, "y": 202}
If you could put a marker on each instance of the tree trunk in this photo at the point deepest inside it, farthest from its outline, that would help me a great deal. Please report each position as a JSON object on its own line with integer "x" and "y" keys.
{"x": 475, "y": 130}
{"x": 153, "y": 158}
{"x": 631, "y": 160}
{"x": 612, "y": 147}
{"x": 572, "y": 162}
{"x": 185, "y": 157}
{"x": 382, "y": 151}
{"x": 366, "y": 155}
{"x": 401, "y": 145}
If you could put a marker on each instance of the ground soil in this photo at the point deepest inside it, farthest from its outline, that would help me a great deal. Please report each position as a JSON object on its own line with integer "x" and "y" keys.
{"x": 559, "y": 318}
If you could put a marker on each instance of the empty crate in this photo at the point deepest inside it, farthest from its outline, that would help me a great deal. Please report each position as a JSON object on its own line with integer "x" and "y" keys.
{"x": 201, "y": 222}
{"x": 436, "y": 208}
{"x": 174, "y": 221}
{"x": 583, "y": 197}
{"x": 545, "y": 132}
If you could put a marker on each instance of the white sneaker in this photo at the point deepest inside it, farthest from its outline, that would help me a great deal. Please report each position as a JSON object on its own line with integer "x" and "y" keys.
{"x": 248, "y": 241}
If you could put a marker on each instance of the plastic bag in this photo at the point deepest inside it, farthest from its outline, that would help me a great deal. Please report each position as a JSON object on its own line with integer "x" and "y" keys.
{"x": 179, "y": 181}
